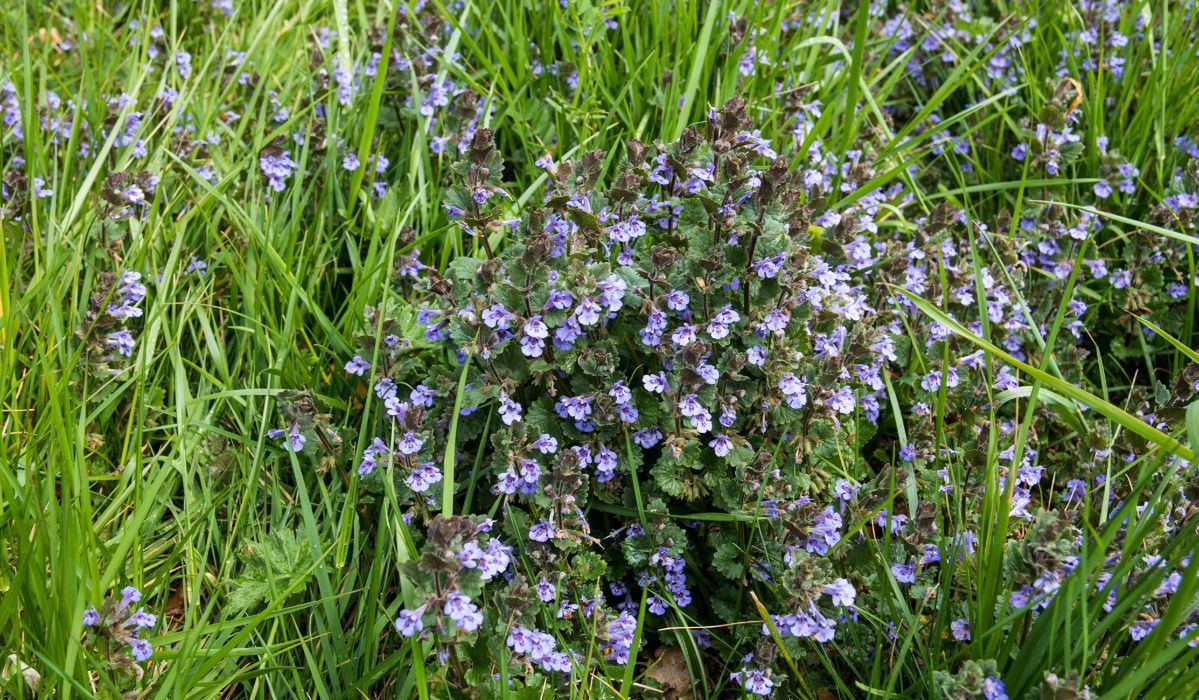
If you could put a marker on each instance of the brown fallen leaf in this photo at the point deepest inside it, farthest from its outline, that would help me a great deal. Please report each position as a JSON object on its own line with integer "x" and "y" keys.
{"x": 173, "y": 611}
{"x": 670, "y": 671}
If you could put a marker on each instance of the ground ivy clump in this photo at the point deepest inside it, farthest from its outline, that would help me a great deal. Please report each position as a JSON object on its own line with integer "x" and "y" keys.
{"x": 711, "y": 366}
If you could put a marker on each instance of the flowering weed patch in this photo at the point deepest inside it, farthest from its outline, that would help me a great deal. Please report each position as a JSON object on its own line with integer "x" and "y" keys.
{"x": 617, "y": 350}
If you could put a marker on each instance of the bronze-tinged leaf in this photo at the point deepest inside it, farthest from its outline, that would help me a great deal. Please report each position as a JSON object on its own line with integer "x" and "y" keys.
{"x": 1184, "y": 385}
{"x": 585, "y": 220}
{"x": 112, "y": 189}
{"x": 556, "y": 202}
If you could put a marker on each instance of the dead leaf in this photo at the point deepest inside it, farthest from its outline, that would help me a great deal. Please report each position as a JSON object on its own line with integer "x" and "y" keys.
{"x": 173, "y": 611}
{"x": 670, "y": 671}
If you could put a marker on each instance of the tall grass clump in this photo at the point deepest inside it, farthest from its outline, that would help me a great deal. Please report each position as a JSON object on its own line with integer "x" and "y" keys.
{"x": 612, "y": 350}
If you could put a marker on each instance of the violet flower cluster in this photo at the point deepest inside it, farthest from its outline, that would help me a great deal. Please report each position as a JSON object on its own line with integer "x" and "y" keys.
{"x": 118, "y": 622}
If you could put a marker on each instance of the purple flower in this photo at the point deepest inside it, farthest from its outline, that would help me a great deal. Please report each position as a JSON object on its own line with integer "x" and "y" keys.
{"x": 129, "y": 595}
{"x": 507, "y": 482}
{"x": 758, "y": 144}
{"x": 295, "y": 441}
{"x": 277, "y": 168}
{"x": 841, "y": 592}
{"x": 993, "y": 689}
{"x": 647, "y": 437}
{"x": 843, "y": 401}
{"x": 542, "y": 531}
{"x": 536, "y": 328}
{"x": 828, "y": 346}
{"x": 531, "y": 346}
{"x": 904, "y": 573}
{"x": 793, "y": 390}
{"x": 718, "y": 327}
{"x": 567, "y": 334}
{"x": 576, "y": 407}
{"x": 1022, "y": 597}
{"x": 370, "y": 457}
{"x": 140, "y": 649}
{"x": 677, "y": 300}
{"x": 684, "y": 335}
{"x": 357, "y": 366}
{"x": 620, "y": 393}
{"x": 410, "y": 444}
{"x": 425, "y": 475}
{"x": 655, "y": 383}
{"x": 122, "y": 341}
{"x": 960, "y": 629}
{"x": 825, "y": 531}
{"x": 754, "y": 681}
{"x": 495, "y": 559}
{"x": 545, "y": 444}
{"x": 395, "y": 407}
{"x": 721, "y": 445}
{"x": 463, "y": 612}
{"x": 612, "y": 292}
{"x": 559, "y": 299}
{"x": 530, "y": 471}
{"x": 183, "y": 63}
{"x": 422, "y": 396}
{"x": 620, "y": 633}
{"x": 1075, "y": 491}
{"x": 496, "y": 317}
{"x": 708, "y": 373}
{"x": 40, "y": 190}
{"x": 1098, "y": 268}
{"x": 409, "y": 622}
{"x": 931, "y": 381}
{"x": 509, "y": 410}
{"x": 1141, "y": 629}
{"x": 521, "y": 639}
{"x": 345, "y": 85}
{"x": 480, "y": 195}
{"x": 555, "y": 661}
{"x": 690, "y": 406}
{"x": 605, "y": 464}
{"x": 587, "y": 312}
{"x": 775, "y": 321}
{"x": 1021, "y": 499}
{"x": 1005, "y": 380}
{"x": 140, "y": 619}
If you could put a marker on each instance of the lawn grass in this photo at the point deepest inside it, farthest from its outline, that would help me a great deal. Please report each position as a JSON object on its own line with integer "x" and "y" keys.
{"x": 160, "y": 473}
